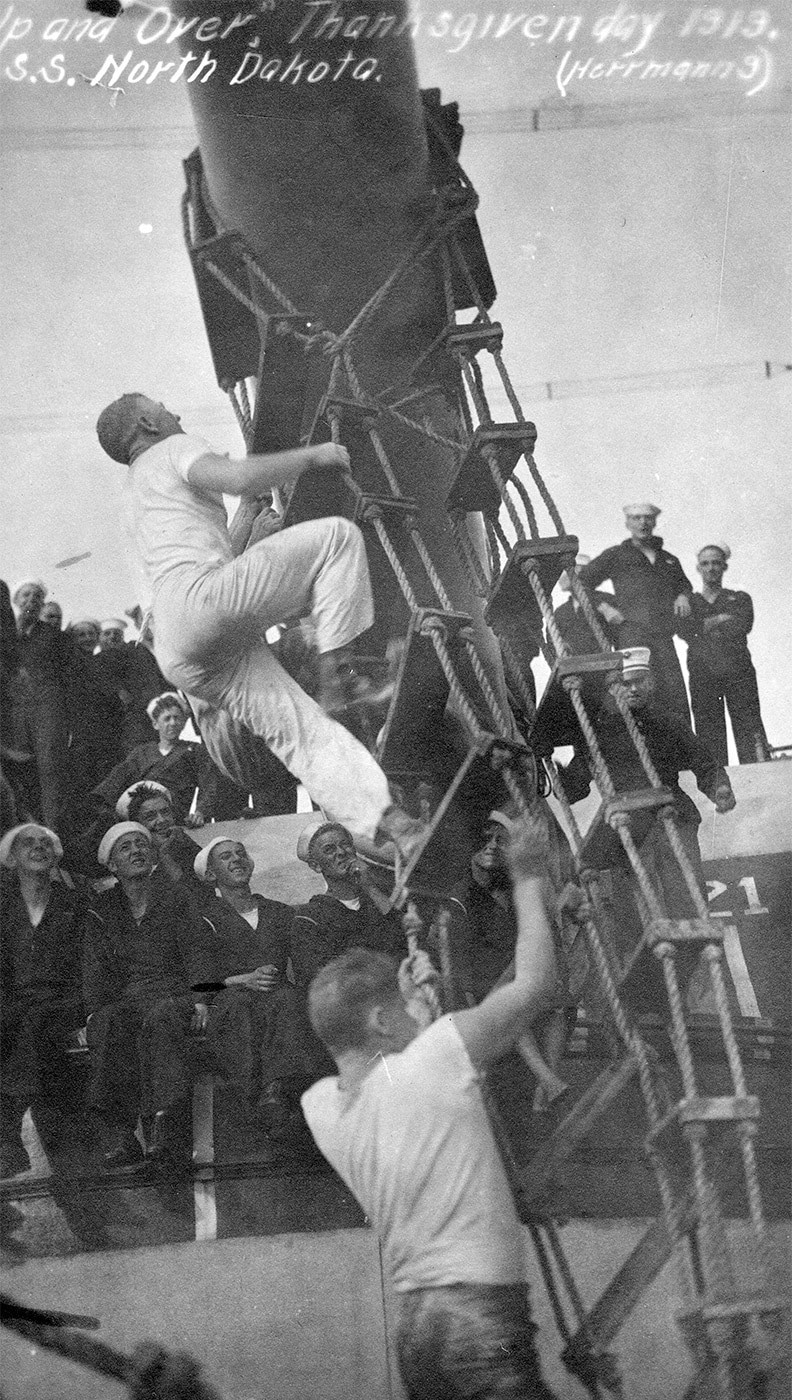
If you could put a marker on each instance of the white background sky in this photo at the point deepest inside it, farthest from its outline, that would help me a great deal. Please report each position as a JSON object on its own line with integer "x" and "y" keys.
{"x": 644, "y": 240}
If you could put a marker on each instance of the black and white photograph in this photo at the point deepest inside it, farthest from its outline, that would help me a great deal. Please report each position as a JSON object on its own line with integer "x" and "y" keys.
{"x": 395, "y": 723}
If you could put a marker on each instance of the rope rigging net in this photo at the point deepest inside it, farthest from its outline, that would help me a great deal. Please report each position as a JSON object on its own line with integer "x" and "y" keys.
{"x": 731, "y": 1336}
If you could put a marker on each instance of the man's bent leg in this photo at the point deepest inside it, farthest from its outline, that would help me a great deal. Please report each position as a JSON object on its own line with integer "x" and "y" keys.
{"x": 469, "y": 1342}
{"x": 339, "y": 773}
{"x": 229, "y": 1036}
{"x": 318, "y": 567}
{"x": 115, "y": 1085}
{"x": 282, "y": 1034}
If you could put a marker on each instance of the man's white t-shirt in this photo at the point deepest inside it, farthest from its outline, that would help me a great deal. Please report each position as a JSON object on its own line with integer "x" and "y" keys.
{"x": 414, "y": 1145}
{"x": 174, "y": 525}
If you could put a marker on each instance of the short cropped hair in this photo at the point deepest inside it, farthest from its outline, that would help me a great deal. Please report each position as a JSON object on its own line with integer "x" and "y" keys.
{"x": 344, "y": 992}
{"x": 116, "y": 427}
{"x": 143, "y": 793}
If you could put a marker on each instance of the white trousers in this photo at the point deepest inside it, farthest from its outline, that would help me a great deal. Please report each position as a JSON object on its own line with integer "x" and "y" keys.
{"x": 209, "y": 627}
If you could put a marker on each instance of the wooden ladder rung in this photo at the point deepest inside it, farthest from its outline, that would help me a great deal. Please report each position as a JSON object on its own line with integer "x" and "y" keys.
{"x": 555, "y": 722}
{"x": 601, "y": 848}
{"x": 478, "y": 335}
{"x": 473, "y": 487}
{"x": 720, "y": 1109}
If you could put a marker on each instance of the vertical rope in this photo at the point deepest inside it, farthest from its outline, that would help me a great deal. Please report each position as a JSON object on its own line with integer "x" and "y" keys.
{"x": 530, "y": 571}
{"x": 552, "y": 509}
{"x": 530, "y": 513}
{"x": 495, "y": 529}
{"x": 502, "y": 723}
{"x": 746, "y": 1131}
{"x": 590, "y": 613}
{"x": 474, "y": 570}
{"x": 635, "y": 1045}
{"x": 524, "y": 692}
{"x": 245, "y": 401}
{"x": 460, "y": 700}
{"x": 243, "y": 418}
{"x": 393, "y": 560}
{"x": 432, "y": 574}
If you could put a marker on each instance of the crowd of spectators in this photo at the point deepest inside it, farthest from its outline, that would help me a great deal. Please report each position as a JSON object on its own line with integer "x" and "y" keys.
{"x": 85, "y": 712}
{"x": 123, "y": 934}
{"x": 171, "y": 965}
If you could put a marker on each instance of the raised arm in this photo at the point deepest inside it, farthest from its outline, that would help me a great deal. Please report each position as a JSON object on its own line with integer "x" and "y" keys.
{"x": 492, "y": 1028}
{"x": 255, "y": 476}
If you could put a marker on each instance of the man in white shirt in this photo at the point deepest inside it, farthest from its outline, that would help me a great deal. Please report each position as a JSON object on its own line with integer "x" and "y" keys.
{"x": 211, "y": 611}
{"x": 405, "y": 1126}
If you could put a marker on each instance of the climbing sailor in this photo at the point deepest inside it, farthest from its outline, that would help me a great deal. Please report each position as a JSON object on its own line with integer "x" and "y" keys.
{"x": 211, "y": 610}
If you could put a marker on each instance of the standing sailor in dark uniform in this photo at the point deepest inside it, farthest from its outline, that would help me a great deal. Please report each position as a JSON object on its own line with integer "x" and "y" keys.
{"x": 39, "y": 982}
{"x": 719, "y": 663}
{"x": 40, "y": 719}
{"x": 651, "y": 598}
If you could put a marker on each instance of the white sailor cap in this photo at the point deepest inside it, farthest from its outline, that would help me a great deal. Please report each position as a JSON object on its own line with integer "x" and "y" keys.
{"x": 172, "y": 696}
{"x": 635, "y": 659}
{"x": 201, "y": 862}
{"x": 122, "y": 805}
{"x": 506, "y": 817}
{"x": 564, "y": 581}
{"x": 642, "y": 508}
{"x": 720, "y": 546}
{"x": 306, "y": 836}
{"x": 113, "y": 624}
{"x": 10, "y": 837}
{"x": 114, "y": 834}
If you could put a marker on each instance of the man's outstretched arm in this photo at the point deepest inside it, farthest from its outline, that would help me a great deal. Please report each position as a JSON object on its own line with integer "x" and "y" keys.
{"x": 255, "y": 476}
{"x": 492, "y": 1028}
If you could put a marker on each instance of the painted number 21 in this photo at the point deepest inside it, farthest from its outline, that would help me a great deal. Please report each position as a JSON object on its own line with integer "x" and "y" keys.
{"x": 717, "y": 887}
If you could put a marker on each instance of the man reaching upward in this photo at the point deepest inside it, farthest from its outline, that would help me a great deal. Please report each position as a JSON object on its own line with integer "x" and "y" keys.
{"x": 405, "y": 1126}
{"x": 211, "y": 610}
